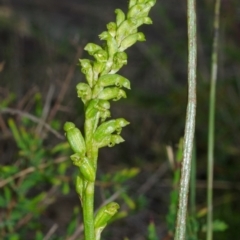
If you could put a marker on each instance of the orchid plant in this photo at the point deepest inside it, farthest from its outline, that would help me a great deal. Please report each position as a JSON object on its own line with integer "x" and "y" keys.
{"x": 103, "y": 84}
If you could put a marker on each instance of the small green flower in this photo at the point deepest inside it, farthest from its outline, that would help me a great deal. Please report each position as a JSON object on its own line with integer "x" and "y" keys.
{"x": 87, "y": 70}
{"x": 91, "y": 48}
{"x": 75, "y": 138}
{"x": 85, "y": 166}
{"x": 131, "y": 39}
{"x": 84, "y": 92}
{"x": 113, "y": 93}
{"x": 105, "y": 214}
{"x": 112, "y": 28}
{"x": 120, "y": 16}
{"x": 109, "y": 140}
{"x": 109, "y": 127}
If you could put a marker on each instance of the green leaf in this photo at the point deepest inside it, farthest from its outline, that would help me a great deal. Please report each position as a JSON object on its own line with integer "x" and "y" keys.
{"x": 152, "y": 233}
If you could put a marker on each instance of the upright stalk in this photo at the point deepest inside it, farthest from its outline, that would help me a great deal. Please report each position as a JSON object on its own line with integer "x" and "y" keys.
{"x": 193, "y": 183}
{"x": 211, "y": 122}
{"x": 190, "y": 123}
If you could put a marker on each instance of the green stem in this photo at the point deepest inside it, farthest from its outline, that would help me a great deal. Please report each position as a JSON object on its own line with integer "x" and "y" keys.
{"x": 88, "y": 211}
{"x": 211, "y": 122}
{"x": 193, "y": 183}
{"x": 190, "y": 123}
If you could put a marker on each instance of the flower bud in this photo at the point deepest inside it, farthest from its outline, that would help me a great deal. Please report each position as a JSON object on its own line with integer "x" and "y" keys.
{"x": 91, "y": 48}
{"x": 79, "y": 186}
{"x": 131, "y": 39}
{"x": 104, "y": 35}
{"x": 111, "y": 46}
{"x": 97, "y": 69}
{"x": 114, "y": 79}
{"x": 126, "y": 28}
{"x": 119, "y": 59}
{"x": 101, "y": 56}
{"x": 75, "y": 138}
{"x": 95, "y": 110}
{"x": 112, "y": 93}
{"x": 140, "y": 10}
{"x": 120, "y": 123}
{"x": 85, "y": 166}
{"x": 120, "y": 16}
{"x": 84, "y": 92}
{"x": 143, "y": 20}
{"x": 87, "y": 70}
{"x": 132, "y": 3}
{"x": 109, "y": 127}
{"x": 104, "y": 115}
{"x": 109, "y": 140}
{"x": 96, "y": 90}
{"x": 112, "y": 28}
{"x": 105, "y": 214}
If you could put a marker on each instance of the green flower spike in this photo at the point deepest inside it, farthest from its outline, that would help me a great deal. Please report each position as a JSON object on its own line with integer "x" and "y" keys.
{"x": 103, "y": 85}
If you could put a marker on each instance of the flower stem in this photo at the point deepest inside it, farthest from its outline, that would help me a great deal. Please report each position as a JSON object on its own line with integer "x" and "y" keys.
{"x": 211, "y": 122}
{"x": 88, "y": 211}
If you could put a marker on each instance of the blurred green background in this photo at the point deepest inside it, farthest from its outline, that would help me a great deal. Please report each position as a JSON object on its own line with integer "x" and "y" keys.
{"x": 40, "y": 44}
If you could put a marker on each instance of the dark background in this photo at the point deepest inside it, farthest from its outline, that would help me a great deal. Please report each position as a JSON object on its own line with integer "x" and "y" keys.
{"x": 40, "y": 43}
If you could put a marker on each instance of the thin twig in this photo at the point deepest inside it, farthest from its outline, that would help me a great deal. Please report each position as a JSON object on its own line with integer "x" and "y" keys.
{"x": 65, "y": 85}
{"x": 33, "y": 118}
{"x": 190, "y": 123}
{"x": 153, "y": 179}
{"x": 46, "y": 108}
{"x": 51, "y": 231}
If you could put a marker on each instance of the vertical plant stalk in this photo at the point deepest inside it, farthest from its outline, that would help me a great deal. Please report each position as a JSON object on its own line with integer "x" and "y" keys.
{"x": 193, "y": 183}
{"x": 211, "y": 123}
{"x": 190, "y": 123}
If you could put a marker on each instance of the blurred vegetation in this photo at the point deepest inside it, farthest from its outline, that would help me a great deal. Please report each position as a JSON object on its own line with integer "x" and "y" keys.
{"x": 40, "y": 43}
